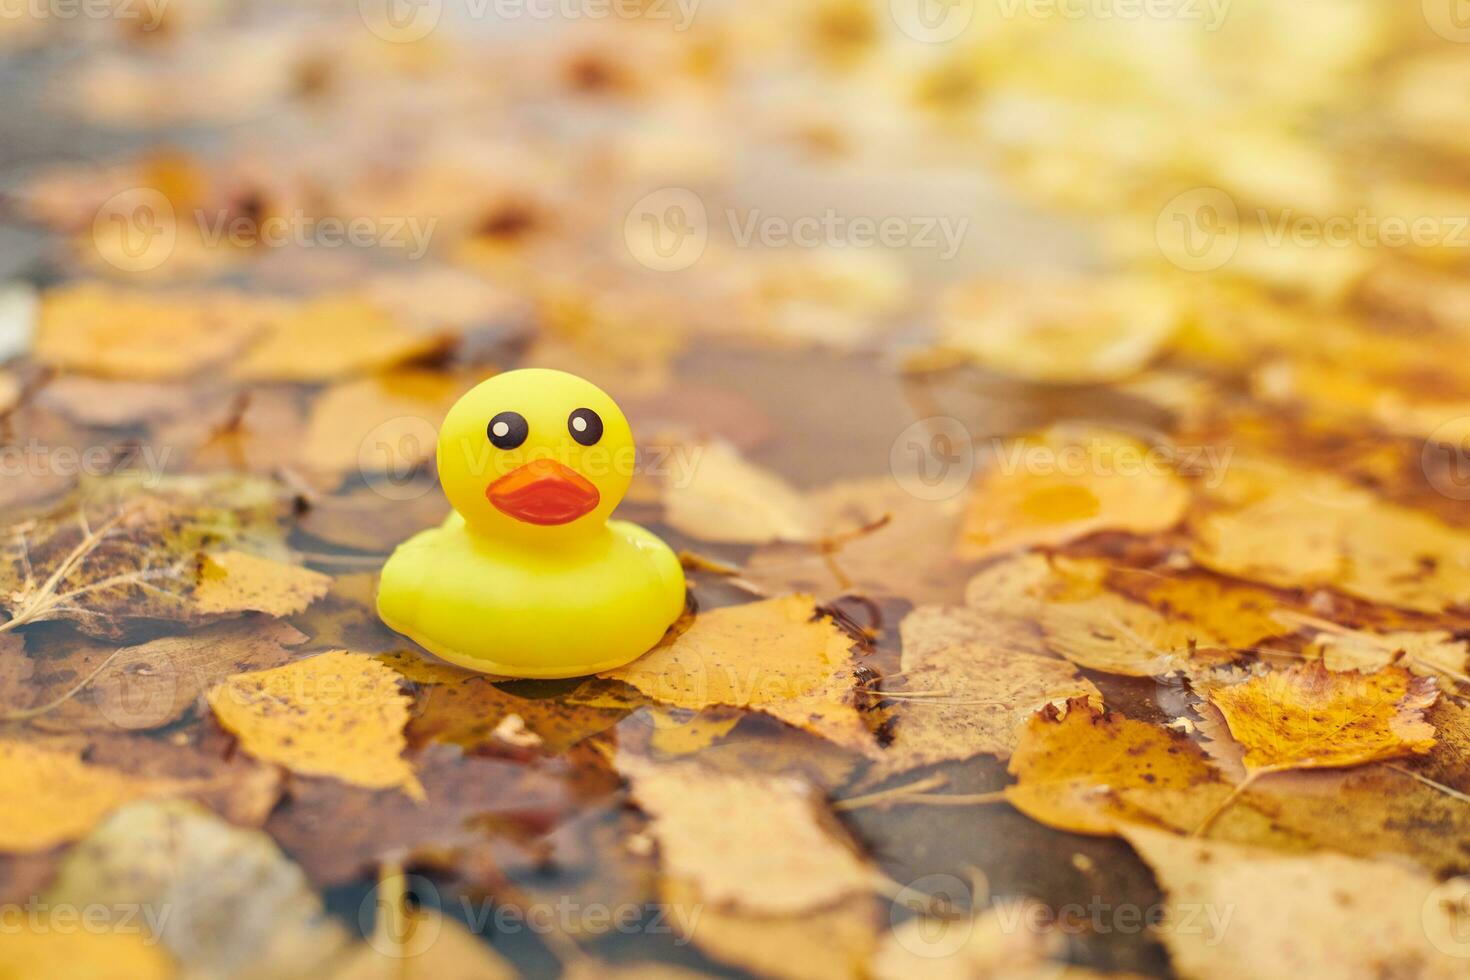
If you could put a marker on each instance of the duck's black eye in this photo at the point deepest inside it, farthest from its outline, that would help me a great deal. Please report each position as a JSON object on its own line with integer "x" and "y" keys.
{"x": 508, "y": 430}
{"x": 585, "y": 426}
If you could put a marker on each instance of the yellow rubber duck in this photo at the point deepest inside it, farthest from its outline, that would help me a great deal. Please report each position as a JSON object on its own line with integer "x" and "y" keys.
{"x": 528, "y": 577}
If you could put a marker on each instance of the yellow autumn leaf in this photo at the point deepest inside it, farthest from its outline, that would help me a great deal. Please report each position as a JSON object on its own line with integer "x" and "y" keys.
{"x": 1295, "y": 528}
{"x": 330, "y": 337}
{"x": 786, "y": 861}
{"x": 386, "y": 423}
{"x": 1059, "y": 331}
{"x": 64, "y": 796}
{"x": 1306, "y": 716}
{"x": 337, "y": 714}
{"x": 777, "y": 656}
{"x": 234, "y": 581}
{"x": 724, "y": 497}
{"x": 82, "y": 954}
{"x": 1089, "y": 771}
{"x": 145, "y": 334}
{"x": 1066, "y": 484}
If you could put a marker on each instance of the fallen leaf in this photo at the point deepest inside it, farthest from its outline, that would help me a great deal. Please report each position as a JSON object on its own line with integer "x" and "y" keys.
{"x": 1083, "y": 620}
{"x": 223, "y": 901}
{"x": 1306, "y": 716}
{"x": 82, "y": 954}
{"x": 235, "y": 581}
{"x": 1429, "y": 653}
{"x": 787, "y": 862}
{"x": 19, "y": 308}
{"x": 336, "y": 714}
{"x": 64, "y": 796}
{"x": 723, "y": 497}
{"x": 1090, "y": 771}
{"x": 113, "y": 403}
{"x": 382, "y": 424}
{"x": 1060, "y": 331}
{"x": 332, "y": 337}
{"x": 1298, "y": 528}
{"x": 338, "y": 832}
{"x": 777, "y": 656}
{"x": 829, "y": 944}
{"x": 458, "y": 706}
{"x": 968, "y": 687}
{"x": 151, "y": 685}
{"x": 1234, "y": 911}
{"x": 10, "y": 391}
{"x": 880, "y": 540}
{"x": 367, "y": 520}
{"x": 118, "y": 551}
{"x": 138, "y": 335}
{"x": 1067, "y": 484}
{"x": 1011, "y": 939}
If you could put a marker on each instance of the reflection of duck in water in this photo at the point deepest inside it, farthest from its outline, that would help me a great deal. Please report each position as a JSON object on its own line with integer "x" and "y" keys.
{"x": 528, "y": 577}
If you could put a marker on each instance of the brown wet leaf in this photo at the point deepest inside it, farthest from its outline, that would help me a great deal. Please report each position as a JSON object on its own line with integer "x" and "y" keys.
{"x": 104, "y": 402}
{"x": 367, "y": 520}
{"x": 777, "y": 656}
{"x": 119, "y": 551}
{"x": 155, "y": 683}
{"x": 968, "y": 686}
{"x": 249, "y": 912}
{"x": 336, "y": 714}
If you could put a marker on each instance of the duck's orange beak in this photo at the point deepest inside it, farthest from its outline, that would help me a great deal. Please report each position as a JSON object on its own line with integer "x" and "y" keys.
{"x": 543, "y": 492}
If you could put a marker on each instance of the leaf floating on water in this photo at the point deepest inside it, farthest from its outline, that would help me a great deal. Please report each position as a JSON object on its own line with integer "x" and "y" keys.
{"x": 235, "y": 905}
{"x": 119, "y": 552}
{"x": 724, "y": 497}
{"x": 786, "y": 862}
{"x": 1011, "y": 940}
{"x": 1297, "y": 528}
{"x": 331, "y": 337}
{"x": 383, "y": 424}
{"x": 337, "y": 714}
{"x": 1066, "y": 484}
{"x": 235, "y": 581}
{"x": 1080, "y": 331}
{"x": 1306, "y": 716}
{"x": 777, "y": 656}
{"x": 83, "y": 954}
{"x": 1090, "y": 771}
{"x": 1262, "y": 913}
{"x": 974, "y": 684}
{"x": 137, "y": 334}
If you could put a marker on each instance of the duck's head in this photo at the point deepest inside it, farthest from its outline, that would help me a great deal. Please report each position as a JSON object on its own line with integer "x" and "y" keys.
{"x": 535, "y": 454}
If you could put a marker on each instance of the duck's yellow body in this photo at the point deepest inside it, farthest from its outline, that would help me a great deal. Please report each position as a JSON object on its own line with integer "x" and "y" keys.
{"x": 528, "y": 578}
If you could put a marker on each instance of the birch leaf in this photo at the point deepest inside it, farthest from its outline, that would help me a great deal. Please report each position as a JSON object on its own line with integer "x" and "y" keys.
{"x": 337, "y": 714}
{"x": 726, "y": 498}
